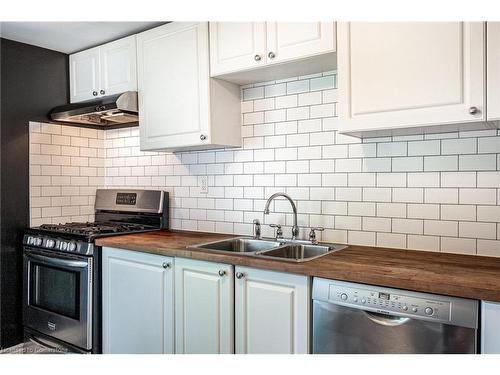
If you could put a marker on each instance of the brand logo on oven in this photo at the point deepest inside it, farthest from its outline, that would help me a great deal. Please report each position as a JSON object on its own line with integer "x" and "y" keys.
{"x": 51, "y": 326}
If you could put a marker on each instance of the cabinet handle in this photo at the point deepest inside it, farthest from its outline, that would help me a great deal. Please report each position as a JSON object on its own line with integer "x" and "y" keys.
{"x": 240, "y": 275}
{"x": 102, "y": 92}
{"x": 271, "y": 55}
{"x": 203, "y": 137}
{"x": 473, "y": 110}
{"x": 222, "y": 273}
{"x": 166, "y": 265}
{"x": 257, "y": 58}
{"x": 94, "y": 93}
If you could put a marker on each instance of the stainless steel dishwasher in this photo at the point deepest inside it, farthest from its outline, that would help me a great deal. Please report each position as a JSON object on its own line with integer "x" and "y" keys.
{"x": 357, "y": 318}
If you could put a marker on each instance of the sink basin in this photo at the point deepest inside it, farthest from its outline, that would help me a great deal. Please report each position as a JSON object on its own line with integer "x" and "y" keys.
{"x": 239, "y": 245}
{"x": 300, "y": 252}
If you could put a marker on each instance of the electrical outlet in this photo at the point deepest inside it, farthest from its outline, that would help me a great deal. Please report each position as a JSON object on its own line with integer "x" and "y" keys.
{"x": 203, "y": 184}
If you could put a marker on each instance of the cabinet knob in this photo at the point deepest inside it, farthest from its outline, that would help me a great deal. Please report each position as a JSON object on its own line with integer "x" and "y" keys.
{"x": 257, "y": 58}
{"x": 240, "y": 275}
{"x": 222, "y": 273}
{"x": 166, "y": 265}
{"x": 473, "y": 110}
{"x": 94, "y": 93}
{"x": 102, "y": 92}
{"x": 271, "y": 55}
{"x": 203, "y": 137}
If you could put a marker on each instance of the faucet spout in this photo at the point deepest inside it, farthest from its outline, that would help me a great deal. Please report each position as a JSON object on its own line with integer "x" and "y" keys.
{"x": 295, "y": 228}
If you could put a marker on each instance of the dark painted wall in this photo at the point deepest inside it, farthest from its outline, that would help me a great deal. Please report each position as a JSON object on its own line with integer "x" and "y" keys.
{"x": 33, "y": 81}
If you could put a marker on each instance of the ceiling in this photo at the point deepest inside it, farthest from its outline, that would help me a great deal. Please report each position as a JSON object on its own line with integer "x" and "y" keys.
{"x": 69, "y": 37}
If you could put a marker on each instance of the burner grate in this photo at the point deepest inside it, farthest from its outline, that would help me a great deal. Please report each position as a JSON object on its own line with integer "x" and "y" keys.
{"x": 93, "y": 229}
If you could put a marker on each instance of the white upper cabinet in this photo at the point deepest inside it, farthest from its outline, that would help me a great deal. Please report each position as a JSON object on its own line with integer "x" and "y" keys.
{"x": 105, "y": 70}
{"x": 204, "y": 307}
{"x": 271, "y": 312}
{"x": 295, "y": 40}
{"x": 118, "y": 66}
{"x": 493, "y": 70}
{"x": 410, "y": 75}
{"x": 84, "y": 75}
{"x": 255, "y": 51}
{"x": 181, "y": 107}
{"x": 236, "y": 45}
{"x": 137, "y": 302}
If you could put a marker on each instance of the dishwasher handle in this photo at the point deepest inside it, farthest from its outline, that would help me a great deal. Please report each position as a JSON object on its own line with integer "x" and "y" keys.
{"x": 386, "y": 320}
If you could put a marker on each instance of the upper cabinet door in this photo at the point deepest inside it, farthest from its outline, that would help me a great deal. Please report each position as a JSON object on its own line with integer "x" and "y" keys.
{"x": 397, "y": 75}
{"x": 204, "y": 307}
{"x": 236, "y": 46}
{"x": 493, "y": 70}
{"x": 294, "y": 40}
{"x": 271, "y": 312}
{"x": 173, "y": 83}
{"x": 118, "y": 66}
{"x": 84, "y": 75}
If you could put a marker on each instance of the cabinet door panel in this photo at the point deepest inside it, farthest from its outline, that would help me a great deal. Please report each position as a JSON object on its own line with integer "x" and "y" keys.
{"x": 173, "y": 82}
{"x": 292, "y": 40}
{"x": 118, "y": 66}
{"x": 84, "y": 75}
{"x": 235, "y": 45}
{"x": 490, "y": 327}
{"x": 272, "y": 312}
{"x": 410, "y": 74}
{"x": 493, "y": 70}
{"x": 138, "y": 314}
{"x": 204, "y": 307}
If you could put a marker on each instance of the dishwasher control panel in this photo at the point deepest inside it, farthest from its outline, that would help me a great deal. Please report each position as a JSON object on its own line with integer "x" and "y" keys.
{"x": 384, "y": 301}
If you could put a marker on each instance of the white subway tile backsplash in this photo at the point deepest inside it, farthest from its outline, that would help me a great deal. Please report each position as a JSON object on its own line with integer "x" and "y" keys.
{"x": 438, "y": 192}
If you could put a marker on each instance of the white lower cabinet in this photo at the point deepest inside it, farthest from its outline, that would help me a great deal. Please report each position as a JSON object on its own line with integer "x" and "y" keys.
{"x": 272, "y": 311}
{"x": 138, "y": 302}
{"x": 204, "y": 307}
{"x": 490, "y": 327}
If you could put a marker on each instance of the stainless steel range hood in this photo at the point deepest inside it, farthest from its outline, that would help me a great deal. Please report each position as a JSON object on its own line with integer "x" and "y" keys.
{"x": 108, "y": 111}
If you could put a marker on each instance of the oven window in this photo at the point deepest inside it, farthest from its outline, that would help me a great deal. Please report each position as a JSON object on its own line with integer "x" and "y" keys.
{"x": 55, "y": 290}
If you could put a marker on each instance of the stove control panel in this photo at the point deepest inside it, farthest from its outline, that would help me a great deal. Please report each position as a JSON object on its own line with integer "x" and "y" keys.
{"x": 60, "y": 244}
{"x": 386, "y": 302}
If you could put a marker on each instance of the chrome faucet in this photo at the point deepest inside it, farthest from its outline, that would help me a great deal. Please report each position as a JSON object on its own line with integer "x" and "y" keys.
{"x": 295, "y": 228}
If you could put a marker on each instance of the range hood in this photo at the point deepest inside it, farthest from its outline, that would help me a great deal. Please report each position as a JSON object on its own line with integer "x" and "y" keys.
{"x": 107, "y": 111}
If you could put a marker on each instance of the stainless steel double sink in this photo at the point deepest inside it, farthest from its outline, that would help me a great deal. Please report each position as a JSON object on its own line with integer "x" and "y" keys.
{"x": 295, "y": 251}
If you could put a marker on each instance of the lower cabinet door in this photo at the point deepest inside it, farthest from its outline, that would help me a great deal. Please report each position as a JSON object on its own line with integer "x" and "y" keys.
{"x": 138, "y": 302}
{"x": 490, "y": 327}
{"x": 204, "y": 307}
{"x": 272, "y": 312}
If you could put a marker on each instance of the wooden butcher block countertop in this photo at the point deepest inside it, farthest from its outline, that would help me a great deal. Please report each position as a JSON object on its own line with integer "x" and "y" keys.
{"x": 466, "y": 276}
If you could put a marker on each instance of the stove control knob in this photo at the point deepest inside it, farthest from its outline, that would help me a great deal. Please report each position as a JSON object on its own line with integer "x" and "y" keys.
{"x": 38, "y": 241}
{"x": 405, "y": 308}
{"x": 343, "y": 296}
{"x": 50, "y": 243}
{"x": 363, "y": 300}
{"x": 414, "y": 310}
{"x": 63, "y": 245}
{"x": 429, "y": 310}
{"x": 72, "y": 246}
{"x": 29, "y": 240}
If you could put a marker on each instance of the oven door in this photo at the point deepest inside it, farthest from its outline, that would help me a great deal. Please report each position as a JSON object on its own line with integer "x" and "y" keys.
{"x": 58, "y": 296}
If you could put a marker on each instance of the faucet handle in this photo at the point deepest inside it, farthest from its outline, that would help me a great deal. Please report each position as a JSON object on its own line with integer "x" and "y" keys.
{"x": 256, "y": 229}
{"x": 312, "y": 233}
{"x": 279, "y": 231}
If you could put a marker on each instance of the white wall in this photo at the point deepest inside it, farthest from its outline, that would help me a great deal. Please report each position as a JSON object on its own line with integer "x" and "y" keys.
{"x": 435, "y": 192}
{"x": 66, "y": 168}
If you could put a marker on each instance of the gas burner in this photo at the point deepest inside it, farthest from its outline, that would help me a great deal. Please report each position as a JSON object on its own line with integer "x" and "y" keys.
{"x": 93, "y": 229}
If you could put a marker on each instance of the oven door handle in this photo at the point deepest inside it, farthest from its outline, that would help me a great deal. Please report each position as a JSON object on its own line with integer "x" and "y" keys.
{"x": 58, "y": 261}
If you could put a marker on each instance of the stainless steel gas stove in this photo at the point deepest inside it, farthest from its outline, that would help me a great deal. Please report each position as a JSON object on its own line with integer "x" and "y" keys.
{"x": 62, "y": 278}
